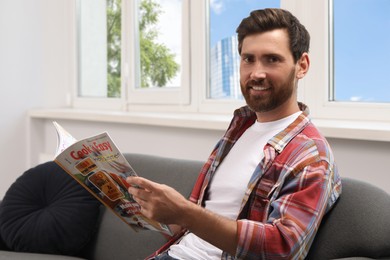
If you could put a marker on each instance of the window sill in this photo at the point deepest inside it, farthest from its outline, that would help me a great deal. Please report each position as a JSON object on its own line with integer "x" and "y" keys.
{"x": 354, "y": 129}
{"x": 358, "y": 130}
{"x": 184, "y": 120}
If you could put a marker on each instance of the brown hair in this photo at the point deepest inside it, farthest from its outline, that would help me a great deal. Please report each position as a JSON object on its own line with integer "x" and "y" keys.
{"x": 274, "y": 18}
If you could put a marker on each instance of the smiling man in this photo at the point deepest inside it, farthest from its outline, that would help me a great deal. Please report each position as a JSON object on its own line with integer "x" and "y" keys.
{"x": 272, "y": 177}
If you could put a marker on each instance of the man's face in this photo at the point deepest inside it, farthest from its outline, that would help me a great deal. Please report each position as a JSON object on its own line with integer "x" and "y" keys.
{"x": 268, "y": 74}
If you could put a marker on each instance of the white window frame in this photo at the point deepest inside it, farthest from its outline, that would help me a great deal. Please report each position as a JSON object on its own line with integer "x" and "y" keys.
{"x": 86, "y": 102}
{"x": 133, "y": 99}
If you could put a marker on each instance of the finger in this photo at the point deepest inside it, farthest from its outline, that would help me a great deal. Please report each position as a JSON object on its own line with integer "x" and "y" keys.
{"x": 133, "y": 181}
{"x": 138, "y": 193}
{"x": 141, "y": 182}
{"x": 141, "y": 203}
{"x": 144, "y": 211}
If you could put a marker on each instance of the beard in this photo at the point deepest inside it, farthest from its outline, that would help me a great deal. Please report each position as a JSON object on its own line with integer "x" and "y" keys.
{"x": 272, "y": 97}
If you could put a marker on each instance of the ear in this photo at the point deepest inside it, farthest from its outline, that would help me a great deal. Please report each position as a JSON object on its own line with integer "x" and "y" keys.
{"x": 303, "y": 65}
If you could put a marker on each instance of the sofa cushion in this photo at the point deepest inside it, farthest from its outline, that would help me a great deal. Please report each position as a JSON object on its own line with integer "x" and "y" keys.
{"x": 115, "y": 240}
{"x": 46, "y": 211}
{"x": 357, "y": 226}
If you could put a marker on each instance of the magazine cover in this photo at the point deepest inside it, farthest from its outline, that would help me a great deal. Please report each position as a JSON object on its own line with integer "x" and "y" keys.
{"x": 98, "y": 165}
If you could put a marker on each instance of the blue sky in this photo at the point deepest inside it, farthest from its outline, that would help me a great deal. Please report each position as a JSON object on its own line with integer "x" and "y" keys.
{"x": 362, "y": 50}
{"x": 225, "y": 15}
{"x": 362, "y": 42}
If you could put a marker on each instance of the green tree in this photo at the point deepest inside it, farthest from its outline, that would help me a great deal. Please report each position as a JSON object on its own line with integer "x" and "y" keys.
{"x": 158, "y": 64}
{"x": 114, "y": 26}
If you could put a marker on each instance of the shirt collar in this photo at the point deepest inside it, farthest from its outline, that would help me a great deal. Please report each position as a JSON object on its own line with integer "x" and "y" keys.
{"x": 279, "y": 141}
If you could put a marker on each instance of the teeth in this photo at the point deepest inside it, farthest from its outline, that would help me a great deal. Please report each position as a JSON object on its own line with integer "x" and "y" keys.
{"x": 259, "y": 88}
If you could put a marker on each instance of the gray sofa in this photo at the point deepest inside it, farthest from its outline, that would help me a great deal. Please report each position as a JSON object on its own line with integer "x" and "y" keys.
{"x": 357, "y": 227}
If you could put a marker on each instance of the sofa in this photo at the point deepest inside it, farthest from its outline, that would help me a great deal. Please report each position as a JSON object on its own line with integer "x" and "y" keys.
{"x": 356, "y": 228}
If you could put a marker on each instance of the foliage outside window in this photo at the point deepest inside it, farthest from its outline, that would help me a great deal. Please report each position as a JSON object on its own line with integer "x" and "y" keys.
{"x": 156, "y": 61}
{"x": 158, "y": 64}
{"x": 114, "y": 28}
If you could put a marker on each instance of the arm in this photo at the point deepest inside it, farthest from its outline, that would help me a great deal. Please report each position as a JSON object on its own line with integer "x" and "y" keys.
{"x": 296, "y": 210}
{"x": 164, "y": 204}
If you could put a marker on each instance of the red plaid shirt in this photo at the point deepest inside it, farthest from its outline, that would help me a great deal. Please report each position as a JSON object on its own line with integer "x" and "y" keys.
{"x": 295, "y": 184}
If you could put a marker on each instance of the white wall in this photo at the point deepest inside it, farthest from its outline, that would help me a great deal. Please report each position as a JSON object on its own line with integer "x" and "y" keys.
{"x": 33, "y": 64}
{"x": 34, "y": 73}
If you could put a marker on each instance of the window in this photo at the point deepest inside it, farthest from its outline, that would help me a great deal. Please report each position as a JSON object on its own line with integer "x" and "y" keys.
{"x": 327, "y": 79}
{"x": 361, "y": 51}
{"x": 159, "y": 43}
{"x": 98, "y": 49}
{"x": 197, "y": 46}
{"x": 133, "y": 49}
{"x": 158, "y": 53}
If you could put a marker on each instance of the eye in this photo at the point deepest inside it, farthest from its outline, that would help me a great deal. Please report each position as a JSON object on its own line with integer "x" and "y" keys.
{"x": 273, "y": 59}
{"x": 247, "y": 58}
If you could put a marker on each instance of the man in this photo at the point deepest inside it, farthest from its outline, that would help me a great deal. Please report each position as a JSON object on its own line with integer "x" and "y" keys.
{"x": 272, "y": 177}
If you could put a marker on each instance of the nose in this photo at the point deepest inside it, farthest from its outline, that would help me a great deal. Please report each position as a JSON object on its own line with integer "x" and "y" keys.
{"x": 258, "y": 71}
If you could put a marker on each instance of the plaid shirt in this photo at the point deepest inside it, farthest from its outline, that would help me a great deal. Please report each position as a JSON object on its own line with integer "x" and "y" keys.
{"x": 291, "y": 189}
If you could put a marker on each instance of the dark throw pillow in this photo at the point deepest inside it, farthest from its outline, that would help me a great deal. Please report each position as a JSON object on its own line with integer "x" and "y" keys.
{"x": 46, "y": 211}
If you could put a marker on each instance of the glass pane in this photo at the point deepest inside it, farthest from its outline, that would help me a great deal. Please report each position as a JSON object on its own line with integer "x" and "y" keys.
{"x": 99, "y": 48}
{"x": 225, "y": 16}
{"x": 361, "y": 50}
{"x": 160, "y": 26}
{"x": 114, "y": 28}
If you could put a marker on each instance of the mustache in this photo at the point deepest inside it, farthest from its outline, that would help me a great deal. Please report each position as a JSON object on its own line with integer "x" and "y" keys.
{"x": 254, "y": 82}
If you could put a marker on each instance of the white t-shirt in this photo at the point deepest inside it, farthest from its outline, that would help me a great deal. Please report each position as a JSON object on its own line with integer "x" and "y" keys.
{"x": 229, "y": 184}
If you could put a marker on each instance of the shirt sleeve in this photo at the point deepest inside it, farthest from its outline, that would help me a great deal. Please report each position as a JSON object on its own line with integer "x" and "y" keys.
{"x": 294, "y": 217}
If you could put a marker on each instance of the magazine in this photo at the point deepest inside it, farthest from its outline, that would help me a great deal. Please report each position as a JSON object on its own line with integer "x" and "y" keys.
{"x": 98, "y": 165}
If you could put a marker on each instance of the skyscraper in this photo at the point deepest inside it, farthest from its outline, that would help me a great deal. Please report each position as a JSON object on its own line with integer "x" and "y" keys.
{"x": 224, "y": 70}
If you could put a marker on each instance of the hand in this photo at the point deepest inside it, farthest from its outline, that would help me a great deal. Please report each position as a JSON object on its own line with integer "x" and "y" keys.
{"x": 158, "y": 202}
{"x": 164, "y": 204}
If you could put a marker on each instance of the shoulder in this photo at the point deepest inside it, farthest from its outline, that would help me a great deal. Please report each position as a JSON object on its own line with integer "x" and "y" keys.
{"x": 307, "y": 147}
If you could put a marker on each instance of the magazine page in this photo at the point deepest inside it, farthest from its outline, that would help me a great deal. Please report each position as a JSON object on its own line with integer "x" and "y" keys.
{"x": 98, "y": 165}
{"x": 64, "y": 139}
